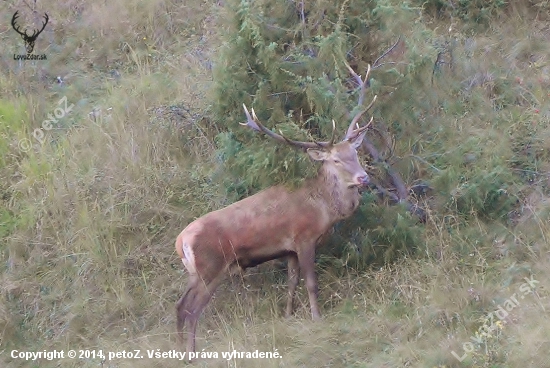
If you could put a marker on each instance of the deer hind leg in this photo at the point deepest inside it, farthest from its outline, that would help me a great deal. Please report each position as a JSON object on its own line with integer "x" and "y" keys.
{"x": 307, "y": 266}
{"x": 293, "y": 278}
{"x": 204, "y": 291}
{"x": 183, "y": 306}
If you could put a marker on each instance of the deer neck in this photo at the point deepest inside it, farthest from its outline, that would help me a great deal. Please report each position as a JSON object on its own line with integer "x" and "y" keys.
{"x": 340, "y": 200}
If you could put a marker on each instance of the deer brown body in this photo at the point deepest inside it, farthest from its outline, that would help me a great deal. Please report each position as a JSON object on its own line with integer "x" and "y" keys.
{"x": 272, "y": 224}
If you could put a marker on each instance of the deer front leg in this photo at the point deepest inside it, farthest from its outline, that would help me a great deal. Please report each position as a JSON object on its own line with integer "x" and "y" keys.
{"x": 293, "y": 278}
{"x": 307, "y": 267}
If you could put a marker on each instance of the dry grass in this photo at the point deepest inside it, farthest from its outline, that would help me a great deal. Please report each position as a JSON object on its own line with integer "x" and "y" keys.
{"x": 90, "y": 263}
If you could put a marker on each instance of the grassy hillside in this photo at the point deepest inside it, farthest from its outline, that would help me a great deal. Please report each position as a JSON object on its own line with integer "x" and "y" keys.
{"x": 91, "y": 204}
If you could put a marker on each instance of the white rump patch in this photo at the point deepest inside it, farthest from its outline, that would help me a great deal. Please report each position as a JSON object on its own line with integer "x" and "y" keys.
{"x": 189, "y": 258}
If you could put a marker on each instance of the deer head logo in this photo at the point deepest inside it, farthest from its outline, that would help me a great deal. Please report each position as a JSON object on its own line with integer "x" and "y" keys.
{"x": 29, "y": 39}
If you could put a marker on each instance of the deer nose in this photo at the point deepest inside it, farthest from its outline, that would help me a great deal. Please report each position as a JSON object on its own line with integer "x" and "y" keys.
{"x": 363, "y": 179}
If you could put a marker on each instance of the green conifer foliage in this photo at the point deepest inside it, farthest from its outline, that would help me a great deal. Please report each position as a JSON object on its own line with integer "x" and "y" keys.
{"x": 287, "y": 60}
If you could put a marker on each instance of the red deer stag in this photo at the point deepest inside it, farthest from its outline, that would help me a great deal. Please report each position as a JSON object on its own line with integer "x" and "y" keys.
{"x": 272, "y": 224}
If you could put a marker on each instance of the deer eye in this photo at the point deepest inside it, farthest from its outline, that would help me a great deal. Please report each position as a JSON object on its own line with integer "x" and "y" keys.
{"x": 337, "y": 161}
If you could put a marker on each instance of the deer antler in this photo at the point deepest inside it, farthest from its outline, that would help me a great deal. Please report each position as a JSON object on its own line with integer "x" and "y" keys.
{"x": 353, "y": 129}
{"x": 13, "y": 19}
{"x": 254, "y": 123}
{"x": 333, "y": 135}
{"x": 36, "y": 33}
{"x": 24, "y": 34}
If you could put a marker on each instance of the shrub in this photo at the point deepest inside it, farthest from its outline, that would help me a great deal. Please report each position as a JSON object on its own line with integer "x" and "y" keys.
{"x": 289, "y": 64}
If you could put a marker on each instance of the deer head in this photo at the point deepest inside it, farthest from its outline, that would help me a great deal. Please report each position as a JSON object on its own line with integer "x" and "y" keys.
{"x": 340, "y": 158}
{"x": 29, "y": 39}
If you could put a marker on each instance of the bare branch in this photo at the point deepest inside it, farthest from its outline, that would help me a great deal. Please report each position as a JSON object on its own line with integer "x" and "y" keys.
{"x": 302, "y": 15}
{"x": 402, "y": 195}
{"x": 375, "y": 64}
{"x": 389, "y": 63}
{"x": 395, "y": 177}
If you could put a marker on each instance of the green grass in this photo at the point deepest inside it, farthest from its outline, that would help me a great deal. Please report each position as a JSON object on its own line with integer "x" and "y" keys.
{"x": 88, "y": 218}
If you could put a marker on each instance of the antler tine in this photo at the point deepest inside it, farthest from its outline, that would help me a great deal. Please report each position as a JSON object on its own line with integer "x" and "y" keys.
{"x": 352, "y": 127}
{"x": 254, "y": 123}
{"x": 13, "y": 19}
{"x": 249, "y": 121}
{"x": 362, "y": 82}
{"x": 36, "y": 33}
{"x": 333, "y": 136}
{"x": 352, "y": 131}
{"x": 359, "y": 130}
{"x": 357, "y": 77}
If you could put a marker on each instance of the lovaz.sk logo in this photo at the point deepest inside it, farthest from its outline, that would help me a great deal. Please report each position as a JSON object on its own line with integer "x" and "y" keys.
{"x": 29, "y": 39}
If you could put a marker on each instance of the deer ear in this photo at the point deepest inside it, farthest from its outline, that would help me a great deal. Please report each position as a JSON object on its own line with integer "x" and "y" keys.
{"x": 356, "y": 141}
{"x": 317, "y": 155}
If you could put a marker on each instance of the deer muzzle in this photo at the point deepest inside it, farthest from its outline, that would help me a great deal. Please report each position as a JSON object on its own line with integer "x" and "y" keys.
{"x": 363, "y": 180}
